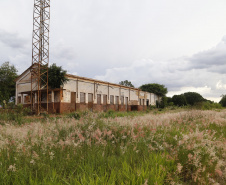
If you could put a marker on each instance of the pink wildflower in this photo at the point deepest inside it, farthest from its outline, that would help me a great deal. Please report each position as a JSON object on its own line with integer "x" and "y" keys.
{"x": 219, "y": 172}
{"x": 81, "y": 137}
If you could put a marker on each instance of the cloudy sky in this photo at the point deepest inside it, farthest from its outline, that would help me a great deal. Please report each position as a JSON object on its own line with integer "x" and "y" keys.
{"x": 178, "y": 43}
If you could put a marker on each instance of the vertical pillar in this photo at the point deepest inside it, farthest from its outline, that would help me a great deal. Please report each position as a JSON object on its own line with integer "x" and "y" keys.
{"x": 120, "y": 95}
{"x": 16, "y": 95}
{"x": 77, "y": 98}
{"x": 52, "y": 96}
{"x": 22, "y": 98}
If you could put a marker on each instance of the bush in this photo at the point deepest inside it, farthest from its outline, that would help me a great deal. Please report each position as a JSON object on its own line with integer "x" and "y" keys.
{"x": 169, "y": 100}
{"x": 74, "y": 115}
{"x": 163, "y": 102}
{"x": 193, "y": 97}
{"x": 179, "y": 100}
{"x": 207, "y": 105}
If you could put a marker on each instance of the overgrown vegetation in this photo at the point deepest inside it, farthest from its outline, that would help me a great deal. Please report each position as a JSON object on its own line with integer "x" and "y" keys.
{"x": 155, "y": 88}
{"x": 15, "y": 114}
{"x": 126, "y": 83}
{"x": 56, "y": 76}
{"x": 8, "y": 74}
{"x": 186, "y": 147}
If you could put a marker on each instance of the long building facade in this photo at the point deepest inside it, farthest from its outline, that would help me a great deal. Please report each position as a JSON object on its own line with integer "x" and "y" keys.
{"x": 80, "y": 94}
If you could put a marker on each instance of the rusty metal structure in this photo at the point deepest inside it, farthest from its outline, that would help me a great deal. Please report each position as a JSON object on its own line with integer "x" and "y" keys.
{"x": 40, "y": 55}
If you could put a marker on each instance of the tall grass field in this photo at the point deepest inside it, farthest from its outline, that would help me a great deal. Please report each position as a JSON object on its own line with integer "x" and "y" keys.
{"x": 180, "y": 147}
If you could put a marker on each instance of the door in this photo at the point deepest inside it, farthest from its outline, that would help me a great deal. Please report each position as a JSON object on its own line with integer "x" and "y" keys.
{"x": 98, "y": 99}
{"x": 90, "y": 102}
{"x": 116, "y": 103}
{"x": 126, "y": 103}
{"x": 105, "y": 102}
{"x": 147, "y": 103}
{"x": 73, "y": 100}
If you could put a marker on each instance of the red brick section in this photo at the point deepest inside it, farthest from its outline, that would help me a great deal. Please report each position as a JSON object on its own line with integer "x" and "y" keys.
{"x": 67, "y": 107}
{"x": 81, "y": 106}
{"x": 53, "y": 108}
{"x": 97, "y": 108}
{"x": 72, "y": 107}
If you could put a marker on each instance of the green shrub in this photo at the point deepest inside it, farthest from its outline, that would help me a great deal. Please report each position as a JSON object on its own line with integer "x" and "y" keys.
{"x": 74, "y": 115}
{"x": 179, "y": 100}
{"x": 193, "y": 98}
{"x": 163, "y": 102}
{"x": 207, "y": 105}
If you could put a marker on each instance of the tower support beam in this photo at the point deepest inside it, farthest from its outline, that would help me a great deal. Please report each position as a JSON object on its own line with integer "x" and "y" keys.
{"x": 40, "y": 55}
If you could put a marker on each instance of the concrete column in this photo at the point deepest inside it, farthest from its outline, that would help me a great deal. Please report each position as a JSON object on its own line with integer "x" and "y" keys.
{"x": 52, "y": 96}
{"x": 36, "y": 98}
{"x": 22, "y": 98}
{"x": 16, "y": 96}
{"x": 86, "y": 98}
{"x": 119, "y": 95}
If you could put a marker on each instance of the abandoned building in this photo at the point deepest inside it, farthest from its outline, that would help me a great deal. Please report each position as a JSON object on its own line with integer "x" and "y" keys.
{"x": 80, "y": 93}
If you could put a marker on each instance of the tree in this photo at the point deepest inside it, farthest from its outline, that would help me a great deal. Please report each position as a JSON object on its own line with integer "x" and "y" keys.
{"x": 170, "y": 101}
{"x": 179, "y": 100}
{"x": 223, "y": 101}
{"x": 8, "y": 74}
{"x": 56, "y": 76}
{"x": 193, "y": 97}
{"x": 126, "y": 83}
{"x": 163, "y": 102}
{"x": 157, "y": 89}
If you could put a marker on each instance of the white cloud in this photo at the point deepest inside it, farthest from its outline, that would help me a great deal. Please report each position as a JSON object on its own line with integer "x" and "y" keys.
{"x": 179, "y": 75}
{"x": 142, "y": 41}
{"x": 201, "y": 90}
{"x": 220, "y": 85}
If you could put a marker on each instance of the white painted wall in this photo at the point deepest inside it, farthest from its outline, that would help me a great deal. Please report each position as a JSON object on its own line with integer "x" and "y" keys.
{"x": 88, "y": 86}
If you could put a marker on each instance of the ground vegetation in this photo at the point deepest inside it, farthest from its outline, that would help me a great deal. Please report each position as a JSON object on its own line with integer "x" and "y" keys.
{"x": 179, "y": 147}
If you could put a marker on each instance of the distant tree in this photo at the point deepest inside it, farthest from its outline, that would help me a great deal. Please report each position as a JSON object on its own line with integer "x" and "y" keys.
{"x": 223, "y": 101}
{"x": 56, "y": 76}
{"x": 157, "y": 89}
{"x": 126, "y": 83}
{"x": 170, "y": 101}
{"x": 179, "y": 100}
{"x": 8, "y": 74}
{"x": 163, "y": 103}
{"x": 193, "y": 97}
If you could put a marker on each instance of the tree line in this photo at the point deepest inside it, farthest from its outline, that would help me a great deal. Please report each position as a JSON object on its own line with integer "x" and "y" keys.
{"x": 188, "y": 98}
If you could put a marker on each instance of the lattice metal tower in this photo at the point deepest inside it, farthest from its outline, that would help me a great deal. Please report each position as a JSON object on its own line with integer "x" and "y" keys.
{"x": 40, "y": 55}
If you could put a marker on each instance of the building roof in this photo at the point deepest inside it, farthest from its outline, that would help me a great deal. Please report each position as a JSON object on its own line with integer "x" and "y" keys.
{"x": 84, "y": 78}
{"x": 99, "y": 81}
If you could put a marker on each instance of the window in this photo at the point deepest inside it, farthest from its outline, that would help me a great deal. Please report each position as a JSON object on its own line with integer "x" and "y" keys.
{"x": 112, "y": 100}
{"x": 82, "y": 97}
{"x": 98, "y": 99}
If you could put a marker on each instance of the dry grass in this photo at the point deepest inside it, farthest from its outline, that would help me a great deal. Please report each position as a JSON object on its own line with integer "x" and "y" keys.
{"x": 194, "y": 142}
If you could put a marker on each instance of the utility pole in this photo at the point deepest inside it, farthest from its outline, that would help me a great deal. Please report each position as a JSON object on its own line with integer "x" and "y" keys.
{"x": 40, "y": 55}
